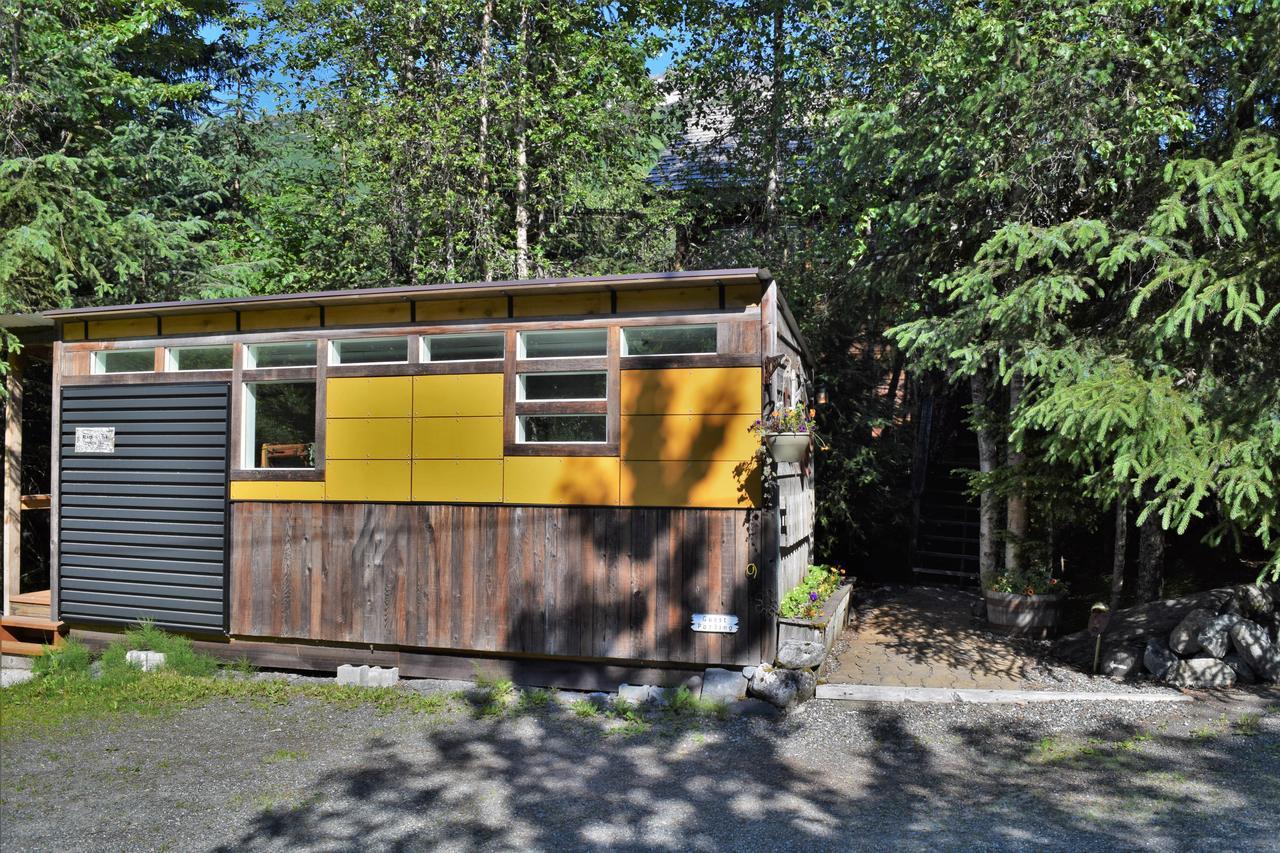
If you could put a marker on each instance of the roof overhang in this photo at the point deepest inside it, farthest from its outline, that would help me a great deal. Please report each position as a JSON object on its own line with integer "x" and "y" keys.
{"x": 524, "y": 287}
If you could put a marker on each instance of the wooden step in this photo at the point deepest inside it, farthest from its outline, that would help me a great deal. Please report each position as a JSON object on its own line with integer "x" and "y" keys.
{"x": 30, "y": 623}
{"x": 35, "y": 603}
{"x": 16, "y": 647}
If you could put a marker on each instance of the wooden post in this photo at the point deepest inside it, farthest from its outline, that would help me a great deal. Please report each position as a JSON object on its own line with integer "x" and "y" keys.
{"x": 12, "y": 481}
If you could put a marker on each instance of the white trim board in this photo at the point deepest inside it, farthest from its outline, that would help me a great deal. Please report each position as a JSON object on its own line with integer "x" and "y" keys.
{"x": 883, "y": 693}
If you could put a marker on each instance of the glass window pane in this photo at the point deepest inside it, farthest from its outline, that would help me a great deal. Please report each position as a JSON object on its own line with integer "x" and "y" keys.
{"x": 669, "y": 340}
{"x": 562, "y": 386}
{"x": 565, "y": 343}
{"x": 280, "y": 424}
{"x": 371, "y": 350}
{"x": 201, "y": 358}
{"x": 477, "y": 347}
{"x": 300, "y": 354}
{"x": 126, "y": 361}
{"x": 562, "y": 428}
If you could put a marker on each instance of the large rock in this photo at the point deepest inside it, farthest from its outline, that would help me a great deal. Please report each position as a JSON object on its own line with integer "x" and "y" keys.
{"x": 1251, "y": 643}
{"x": 800, "y": 654}
{"x": 723, "y": 685}
{"x": 1158, "y": 659}
{"x": 1244, "y": 673}
{"x": 1133, "y": 625}
{"x": 1213, "y": 637}
{"x": 1201, "y": 674}
{"x": 1185, "y": 637}
{"x": 1256, "y": 599}
{"x": 1121, "y": 663}
{"x": 783, "y": 688}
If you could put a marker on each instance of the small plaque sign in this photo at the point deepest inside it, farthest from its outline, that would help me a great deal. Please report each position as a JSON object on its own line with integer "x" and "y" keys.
{"x": 715, "y": 623}
{"x": 95, "y": 439}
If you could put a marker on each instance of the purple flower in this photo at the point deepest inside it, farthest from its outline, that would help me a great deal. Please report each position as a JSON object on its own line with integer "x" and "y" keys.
{"x": 813, "y": 596}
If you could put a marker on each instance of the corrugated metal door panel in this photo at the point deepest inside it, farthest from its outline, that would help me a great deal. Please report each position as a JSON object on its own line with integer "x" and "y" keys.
{"x": 143, "y": 528}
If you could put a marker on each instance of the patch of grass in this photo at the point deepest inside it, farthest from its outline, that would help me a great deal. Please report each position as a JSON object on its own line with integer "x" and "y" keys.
{"x": 533, "y": 700}
{"x": 242, "y": 666}
{"x": 71, "y": 658}
{"x": 281, "y": 755}
{"x": 65, "y": 690}
{"x": 585, "y": 708}
{"x": 1248, "y": 725}
{"x": 682, "y": 703}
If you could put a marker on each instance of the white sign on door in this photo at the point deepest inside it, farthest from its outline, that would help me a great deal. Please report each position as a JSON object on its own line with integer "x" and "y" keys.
{"x": 95, "y": 439}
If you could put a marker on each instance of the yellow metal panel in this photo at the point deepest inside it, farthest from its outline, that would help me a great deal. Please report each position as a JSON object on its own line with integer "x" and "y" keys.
{"x": 280, "y": 318}
{"x": 263, "y": 490}
{"x": 462, "y": 309}
{"x": 185, "y": 324}
{"x": 591, "y": 480}
{"x": 367, "y": 315}
{"x": 132, "y": 327}
{"x": 367, "y": 438}
{"x": 741, "y": 295}
{"x": 670, "y": 299}
{"x": 73, "y": 331}
{"x": 457, "y": 480}
{"x": 457, "y": 438}
{"x": 381, "y": 480}
{"x": 732, "y": 485}
{"x": 692, "y": 391}
{"x": 457, "y": 395}
{"x": 720, "y": 437}
{"x": 563, "y": 305}
{"x": 369, "y": 397}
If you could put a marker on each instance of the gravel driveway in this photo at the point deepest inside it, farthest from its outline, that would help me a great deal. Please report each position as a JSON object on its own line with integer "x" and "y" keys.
{"x": 239, "y": 776}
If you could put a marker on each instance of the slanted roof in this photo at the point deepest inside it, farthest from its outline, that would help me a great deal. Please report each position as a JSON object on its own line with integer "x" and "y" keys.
{"x": 522, "y": 287}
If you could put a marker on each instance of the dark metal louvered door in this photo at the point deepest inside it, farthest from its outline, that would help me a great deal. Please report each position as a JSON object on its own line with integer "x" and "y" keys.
{"x": 143, "y": 514}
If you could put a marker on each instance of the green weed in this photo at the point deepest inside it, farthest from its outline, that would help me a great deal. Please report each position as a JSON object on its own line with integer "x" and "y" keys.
{"x": 70, "y": 658}
{"x": 1248, "y": 725}
{"x": 284, "y": 755}
{"x": 533, "y": 700}
{"x": 585, "y": 708}
{"x": 682, "y": 703}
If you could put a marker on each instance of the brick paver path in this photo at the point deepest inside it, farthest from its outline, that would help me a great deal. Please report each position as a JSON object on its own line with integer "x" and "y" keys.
{"x": 927, "y": 637}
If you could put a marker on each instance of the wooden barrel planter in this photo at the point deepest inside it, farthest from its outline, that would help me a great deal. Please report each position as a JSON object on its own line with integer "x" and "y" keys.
{"x": 1024, "y": 614}
{"x": 824, "y": 629}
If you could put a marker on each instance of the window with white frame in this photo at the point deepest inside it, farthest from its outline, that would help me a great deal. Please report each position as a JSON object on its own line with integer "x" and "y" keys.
{"x": 472, "y": 346}
{"x": 287, "y": 354}
{"x": 669, "y": 340}
{"x": 279, "y": 425}
{"x": 124, "y": 361}
{"x": 386, "y": 350}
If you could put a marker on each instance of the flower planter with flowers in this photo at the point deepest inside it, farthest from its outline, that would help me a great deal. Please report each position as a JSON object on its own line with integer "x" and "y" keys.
{"x": 786, "y": 433}
{"x": 1028, "y": 602}
{"x": 815, "y": 610}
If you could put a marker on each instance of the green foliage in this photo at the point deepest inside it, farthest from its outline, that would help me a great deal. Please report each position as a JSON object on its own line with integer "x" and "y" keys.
{"x": 806, "y": 599}
{"x": 1030, "y": 580}
{"x": 72, "y": 658}
{"x": 681, "y": 702}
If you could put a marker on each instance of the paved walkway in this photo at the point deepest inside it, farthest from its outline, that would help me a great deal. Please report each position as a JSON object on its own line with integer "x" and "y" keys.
{"x": 928, "y": 637}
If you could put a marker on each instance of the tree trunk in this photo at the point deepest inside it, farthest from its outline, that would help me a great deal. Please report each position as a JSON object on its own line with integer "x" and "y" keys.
{"x": 1151, "y": 560}
{"x": 776, "y": 83}
{"x": 482, "y": 141}
{"x": 1121, "y": 547}
{"x": 522, "y": 153}
{"x": 1016, "y": 523}
{"x": 988, "y": 459}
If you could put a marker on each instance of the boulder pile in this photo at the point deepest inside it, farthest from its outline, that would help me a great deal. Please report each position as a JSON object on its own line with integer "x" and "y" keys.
{"x": 1238, "y": 644}
{"x": 793, "y": 677}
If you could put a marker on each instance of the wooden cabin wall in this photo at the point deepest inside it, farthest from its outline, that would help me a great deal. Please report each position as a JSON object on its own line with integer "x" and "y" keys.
{"x": 587, "y": 582}
{"x": 792, "y": 507}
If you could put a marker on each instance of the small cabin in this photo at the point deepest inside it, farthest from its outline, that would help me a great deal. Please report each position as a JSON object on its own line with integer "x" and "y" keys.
{"x": 556, "y": 476}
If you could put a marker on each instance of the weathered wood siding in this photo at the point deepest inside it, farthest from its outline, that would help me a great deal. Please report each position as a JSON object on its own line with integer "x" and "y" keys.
{"x": 603, "y": 583}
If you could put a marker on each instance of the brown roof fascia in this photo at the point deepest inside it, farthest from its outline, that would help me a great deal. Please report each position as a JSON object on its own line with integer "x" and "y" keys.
{"x": 635, "y": 281}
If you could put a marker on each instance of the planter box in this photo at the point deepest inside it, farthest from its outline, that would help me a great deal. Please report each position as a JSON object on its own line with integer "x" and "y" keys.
{"x": 788, "y": 446}
{"x": 1024, "y": 614}
{"x": 826, "y": 628}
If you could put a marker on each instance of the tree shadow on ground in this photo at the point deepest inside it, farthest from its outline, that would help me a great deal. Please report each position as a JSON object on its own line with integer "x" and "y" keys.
{"x": 878, "y": 776}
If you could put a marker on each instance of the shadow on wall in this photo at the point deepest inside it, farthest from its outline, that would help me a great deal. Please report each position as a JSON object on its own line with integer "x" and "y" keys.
{"x": 878, "y": 780}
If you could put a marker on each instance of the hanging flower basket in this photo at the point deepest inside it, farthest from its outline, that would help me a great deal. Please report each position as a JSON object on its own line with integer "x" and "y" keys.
{"x": 788, "y": 446}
